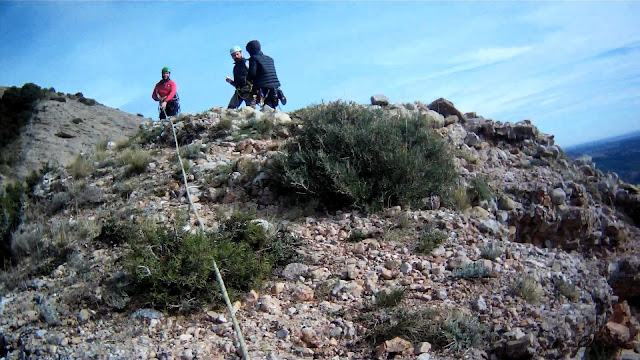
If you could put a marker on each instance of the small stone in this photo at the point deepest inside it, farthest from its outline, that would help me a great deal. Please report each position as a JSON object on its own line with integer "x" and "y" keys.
{"x": 303, "y": 293}
{"x": 387, "y": 274}
{"x": 277, "y": 288}
{"x": 309, "y": 337}
{"x": 558, "y": 196}
{"x": 282, "y": 334}
{"x": 335, "y": 332}
{"x": 406, "y": 268}
{"x": 186, "y": 337}
{"x": 187, "y": 354}
{"x": 441, "y": 294}
{"x": 478, "y": 304}
{"x": 84, "y": 316}
{"x": 423, "y": 347}
{"x": 294, "y": 270}
{"x": 251, "y": 297}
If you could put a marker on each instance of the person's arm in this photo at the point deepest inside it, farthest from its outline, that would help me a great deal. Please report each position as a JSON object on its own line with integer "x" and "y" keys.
{"x": 154, "y": 95}
{"x": 253, "y": 69}
{"x": 174, "y": 90}
{"x": 230, "y": 81}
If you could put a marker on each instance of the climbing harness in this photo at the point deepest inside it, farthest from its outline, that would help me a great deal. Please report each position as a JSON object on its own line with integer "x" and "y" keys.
{"x": 223, "y": 289}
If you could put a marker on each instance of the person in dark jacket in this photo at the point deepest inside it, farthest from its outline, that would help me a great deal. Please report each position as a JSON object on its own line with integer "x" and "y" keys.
{"x": 262, "y": 72}
{"x": 243, "y": 88}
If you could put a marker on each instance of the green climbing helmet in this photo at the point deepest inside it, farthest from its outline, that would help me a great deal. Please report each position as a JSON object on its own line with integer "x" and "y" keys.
{"x": 166, "y": 69}
{"x": 235, "y": 49}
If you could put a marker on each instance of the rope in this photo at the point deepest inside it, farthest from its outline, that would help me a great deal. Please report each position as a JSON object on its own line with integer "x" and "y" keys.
{"x": 225, "y": 295}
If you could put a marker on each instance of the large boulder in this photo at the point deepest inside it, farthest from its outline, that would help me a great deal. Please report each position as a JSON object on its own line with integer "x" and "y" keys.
{"x": 445, "y": 108}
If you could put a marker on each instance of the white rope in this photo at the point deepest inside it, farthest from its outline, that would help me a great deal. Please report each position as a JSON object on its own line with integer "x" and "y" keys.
{"x": 225, "y": 295}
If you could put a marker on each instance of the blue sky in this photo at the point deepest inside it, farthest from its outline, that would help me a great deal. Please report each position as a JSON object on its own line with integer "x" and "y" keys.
{"x": 573, "y": 68}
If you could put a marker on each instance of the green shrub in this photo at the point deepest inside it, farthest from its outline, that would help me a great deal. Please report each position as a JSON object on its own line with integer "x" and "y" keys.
{"x": 173, "y": 269}
{"x": 390, "y": 298}
{"x": 283, "y": 249}
{"x": 357, "y": 236}
{"x": 481, "y": 190}
{"x": 491, "y": 251}
{"x": 190, "y": 151}
{"x": 472, "y": 271}
{"x": 348, "y": 155}
{"x": 35, "y": 177}
{"x": 148, "y": 134}
{"x": 16, "y": 107}
{"x": 429, "y": 239}
{"x": 11, "y": 201}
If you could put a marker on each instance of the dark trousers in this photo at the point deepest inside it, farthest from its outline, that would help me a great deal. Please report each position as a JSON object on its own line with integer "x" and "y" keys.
{"x": 270, "y": 96}
{"x": 172, "y": 109}
{"x": 242, "y": 94}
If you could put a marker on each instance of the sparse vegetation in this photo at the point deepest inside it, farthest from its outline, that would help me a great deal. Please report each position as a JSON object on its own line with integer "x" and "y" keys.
{"x": 429, "y": 239}
{"x": 356, "y": 236}
{"x": 390, "y": 297}
{"x": 123, "y": 188}
{"x": 528, "y": 288}
{"x": 347, "y": 155}
{"x": 461, "y": 200}
{"x": 472, "y": 271}
{"x": 566, "y": 289}
{"x": 491, "y": 251}
{"x": 190, "y": 151}
{"x": 80, "y": 167}
{"x": 451, "y": 331}
{"x": 480, "y": 190}
{"x": 135, "y": 159}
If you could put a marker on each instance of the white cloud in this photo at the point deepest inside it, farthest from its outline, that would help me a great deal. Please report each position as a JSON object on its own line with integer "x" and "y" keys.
{"x": 491, "y": 55}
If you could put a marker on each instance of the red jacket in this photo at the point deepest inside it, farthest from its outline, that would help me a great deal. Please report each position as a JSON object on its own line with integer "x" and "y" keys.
{"x": 166, "y": 89}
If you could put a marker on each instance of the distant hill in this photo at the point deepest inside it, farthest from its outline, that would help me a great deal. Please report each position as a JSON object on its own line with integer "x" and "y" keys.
{"x": 61, "y": 127}
{"x": 620, "y": 154}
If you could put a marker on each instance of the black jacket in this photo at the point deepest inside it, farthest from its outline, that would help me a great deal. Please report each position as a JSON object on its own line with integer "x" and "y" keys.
{"x": 240, "y": 72}
{"x": 262, "y": 71}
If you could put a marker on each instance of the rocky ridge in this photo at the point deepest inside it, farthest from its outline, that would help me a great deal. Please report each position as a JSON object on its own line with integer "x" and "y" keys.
{"x": 65, "y": 125}
{"x": 554, "y": 221}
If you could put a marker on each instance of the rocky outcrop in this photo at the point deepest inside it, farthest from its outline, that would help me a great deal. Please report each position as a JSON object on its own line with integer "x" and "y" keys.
{"x": 541, "y": 208}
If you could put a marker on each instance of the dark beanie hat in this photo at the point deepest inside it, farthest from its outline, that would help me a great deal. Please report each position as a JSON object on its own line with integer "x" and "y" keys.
{"x": 253, "y": 47}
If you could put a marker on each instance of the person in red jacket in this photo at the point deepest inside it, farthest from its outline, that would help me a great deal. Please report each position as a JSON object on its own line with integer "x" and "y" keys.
{"x": 166, "y": 92}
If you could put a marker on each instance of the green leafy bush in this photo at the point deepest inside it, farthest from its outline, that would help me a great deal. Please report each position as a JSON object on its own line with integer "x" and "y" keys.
{"x": 11, "y": 201}
{"x": 481, "y": 190}
{"x": 347, "y": 155}
{"x": 173, "y": 270}
{"x": 16, "y": 107}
